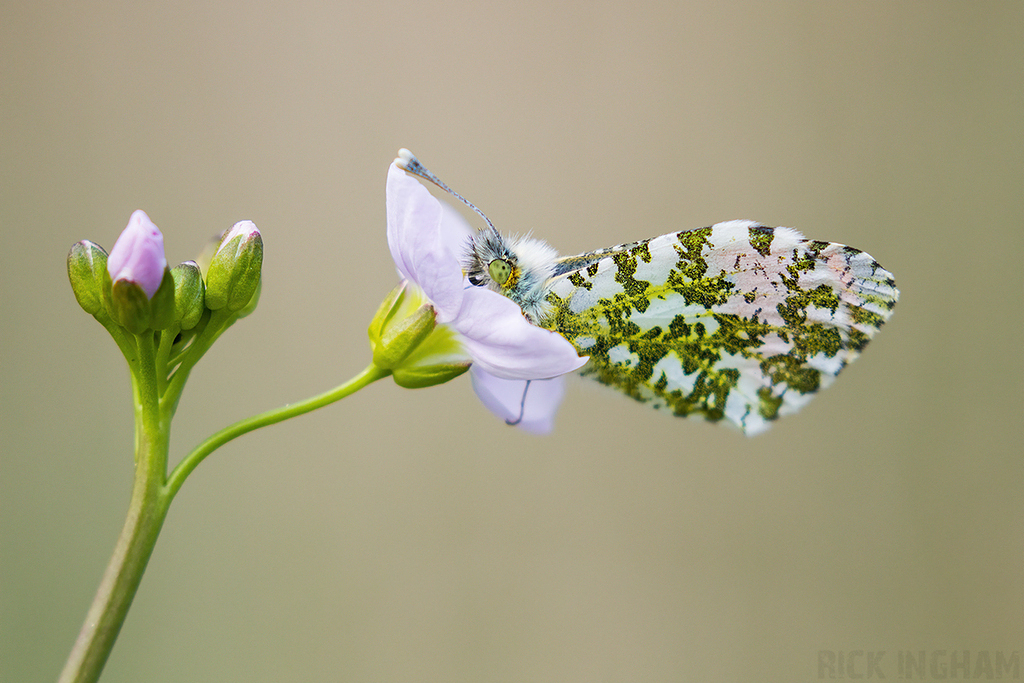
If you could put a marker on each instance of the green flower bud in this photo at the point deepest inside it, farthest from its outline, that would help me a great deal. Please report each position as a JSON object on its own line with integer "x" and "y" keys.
{"x": 234, "y": 273}
{"x": 188, "y": 294}
{"x": 87, "y": 270}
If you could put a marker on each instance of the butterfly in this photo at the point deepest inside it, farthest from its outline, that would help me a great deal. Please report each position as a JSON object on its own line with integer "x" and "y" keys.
{"x": 736, "y": 321}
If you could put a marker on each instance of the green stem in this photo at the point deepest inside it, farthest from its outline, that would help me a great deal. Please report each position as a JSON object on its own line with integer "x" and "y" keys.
{"x": 214, "y": 324}
{"x": 146, "y": 514}
{"x": 191, "y": 461}
{"x": 152, "y": 494}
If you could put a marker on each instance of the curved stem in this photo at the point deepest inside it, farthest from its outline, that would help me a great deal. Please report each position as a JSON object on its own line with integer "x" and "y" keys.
{"x": 152, "y": 493}
{"x": 191, "y": 461}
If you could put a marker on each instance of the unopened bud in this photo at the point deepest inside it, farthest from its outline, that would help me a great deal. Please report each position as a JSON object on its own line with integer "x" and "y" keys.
{"x": 141, "y": 289}
{"x": 188, "y": 294}
{"x": 138, "y": 255}
{"x": 234, "y": 273}
{"x": 87, "y": 270}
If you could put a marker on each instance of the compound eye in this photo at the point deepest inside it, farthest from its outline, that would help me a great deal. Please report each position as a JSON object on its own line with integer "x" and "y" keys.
{"x": 500, "y": 270}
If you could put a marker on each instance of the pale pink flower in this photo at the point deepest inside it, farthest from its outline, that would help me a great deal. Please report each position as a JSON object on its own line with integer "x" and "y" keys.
{"x": 505, "y": 349}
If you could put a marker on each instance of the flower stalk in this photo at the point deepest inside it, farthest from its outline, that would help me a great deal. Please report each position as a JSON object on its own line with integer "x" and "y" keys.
{"x": 152, "y": 494}
{"x": 163, "y": 324}
{"x": 164, "y": 321}
{"x": 146, "y": 513}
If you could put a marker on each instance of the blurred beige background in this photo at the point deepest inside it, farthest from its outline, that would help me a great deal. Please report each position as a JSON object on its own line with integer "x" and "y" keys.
{"x": 408, "y": 535}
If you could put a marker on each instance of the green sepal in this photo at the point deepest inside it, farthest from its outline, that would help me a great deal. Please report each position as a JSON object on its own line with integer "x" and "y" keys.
{"x": 87, "y": 261}
{"x": 385, "y": 312}
{"x": 438, "y": 359}
{"x": 402, "y": 338}
{"x": 406, "y": 339}
{"x": 130, "y": 307}
{"x": 428, "y": 376}
{"x": 127, "y": 304}
{"x": 188, "y": 294}
{"x": 162, "y": 313}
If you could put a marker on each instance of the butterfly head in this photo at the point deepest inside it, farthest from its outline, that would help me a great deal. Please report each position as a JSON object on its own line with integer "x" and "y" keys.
{"x": 516, "y": 267}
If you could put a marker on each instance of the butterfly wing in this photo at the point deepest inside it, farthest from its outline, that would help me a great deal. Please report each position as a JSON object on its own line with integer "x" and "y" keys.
{"x": 736, "y": 321}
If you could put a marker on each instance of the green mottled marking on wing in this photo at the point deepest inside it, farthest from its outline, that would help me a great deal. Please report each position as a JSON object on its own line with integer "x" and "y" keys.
{"x": 769, "y": 403}
{"x": 761, "y": 239}
{"x": 578, "y": 281}
{"x": 735, "y": 321}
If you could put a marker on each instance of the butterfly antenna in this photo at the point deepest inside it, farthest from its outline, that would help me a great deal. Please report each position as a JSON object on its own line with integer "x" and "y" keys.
{"x": 410, "y": 164}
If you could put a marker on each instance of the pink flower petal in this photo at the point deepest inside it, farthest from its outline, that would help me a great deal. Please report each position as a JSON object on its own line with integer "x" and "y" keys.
{"x": 415, "y": 239}
{"x": 528, "y": 404}
{"x": 456, "y": 233}
{"x": 138, "y": 254}
{"x": 502, "y": 342}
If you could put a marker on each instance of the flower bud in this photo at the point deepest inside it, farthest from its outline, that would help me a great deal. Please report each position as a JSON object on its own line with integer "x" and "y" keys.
{"x": 87, "y": 265}
{"x": 141, "y": 292}
{"x": 138, "y": 255}
{"x": 234, "y": 273}
{"x": 188, "y": 294}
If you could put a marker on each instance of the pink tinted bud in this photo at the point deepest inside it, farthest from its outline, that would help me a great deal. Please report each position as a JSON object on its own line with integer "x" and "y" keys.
{"x": 138, "y": 255}
{"x": 233, "y": 276}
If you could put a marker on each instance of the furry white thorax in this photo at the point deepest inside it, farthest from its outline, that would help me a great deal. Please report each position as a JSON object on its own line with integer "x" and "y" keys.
{"x": 532, "y": 262}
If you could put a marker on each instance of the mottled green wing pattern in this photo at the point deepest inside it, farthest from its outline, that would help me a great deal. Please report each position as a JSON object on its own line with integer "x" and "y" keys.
{"x": 736, "y": 321}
